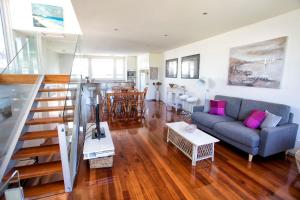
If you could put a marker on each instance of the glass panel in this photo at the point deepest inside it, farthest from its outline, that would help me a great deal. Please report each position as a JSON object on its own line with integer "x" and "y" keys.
{"x": 3, "y": 58}
{"x": 102, "y": 68}
{"x": 26, "y": 60}
{"x": 81, "y": 67}
{"x": 120, "y": 69}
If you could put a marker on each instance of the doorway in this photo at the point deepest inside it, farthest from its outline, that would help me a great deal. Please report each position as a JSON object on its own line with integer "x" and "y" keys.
{"x": 144, "y": 79}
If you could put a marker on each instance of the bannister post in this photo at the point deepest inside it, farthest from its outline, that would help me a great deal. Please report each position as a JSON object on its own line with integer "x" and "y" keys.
{"x": 63, "y": 146}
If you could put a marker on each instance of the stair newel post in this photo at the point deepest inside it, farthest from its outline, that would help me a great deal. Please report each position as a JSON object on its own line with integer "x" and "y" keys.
{"x": 63, "y": 146}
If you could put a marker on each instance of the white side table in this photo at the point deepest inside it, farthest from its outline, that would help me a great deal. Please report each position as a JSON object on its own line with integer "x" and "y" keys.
{"x": 96, "y": 149}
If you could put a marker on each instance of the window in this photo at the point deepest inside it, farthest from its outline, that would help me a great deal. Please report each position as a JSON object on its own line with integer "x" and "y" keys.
{"x": 120, "y": 69}
{"x": 81, "y": 67}
{"x": 109, "y": 68}
{"x": 102, "y": 68}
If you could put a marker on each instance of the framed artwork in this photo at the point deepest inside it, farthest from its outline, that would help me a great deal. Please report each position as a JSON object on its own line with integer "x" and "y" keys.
{"x": 190, "y": 67}
{"x": 153, "y": 73}
{"x": 171, "y": 68}
{"x": 47, "y": 16}
{"x": 258, "y": 65}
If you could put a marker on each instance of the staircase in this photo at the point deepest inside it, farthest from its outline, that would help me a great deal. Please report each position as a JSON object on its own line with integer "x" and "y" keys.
{"x": 41, "y": 126}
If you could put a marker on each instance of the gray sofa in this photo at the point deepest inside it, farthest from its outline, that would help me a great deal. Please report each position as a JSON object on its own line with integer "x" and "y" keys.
{"x": 230, "y": 128}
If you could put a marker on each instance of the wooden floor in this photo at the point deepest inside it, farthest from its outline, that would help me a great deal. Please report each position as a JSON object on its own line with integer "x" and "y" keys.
{"x": 146, "y": 167}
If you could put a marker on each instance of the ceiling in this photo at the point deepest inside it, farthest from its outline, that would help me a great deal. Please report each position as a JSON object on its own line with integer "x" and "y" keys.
{"x": 139, "y": 26}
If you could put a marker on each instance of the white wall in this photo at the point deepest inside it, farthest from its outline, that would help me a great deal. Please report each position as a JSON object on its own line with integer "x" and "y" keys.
{"x": 65, "y": 63}
{"x": 214, "y": 62}
{"x": 50, "y": 60}
{"x": 144, "y": 62}
{"x": 131, "y": 63}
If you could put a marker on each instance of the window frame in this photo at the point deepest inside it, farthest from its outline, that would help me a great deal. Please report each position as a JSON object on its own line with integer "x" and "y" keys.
{"x": 114, "y": 58}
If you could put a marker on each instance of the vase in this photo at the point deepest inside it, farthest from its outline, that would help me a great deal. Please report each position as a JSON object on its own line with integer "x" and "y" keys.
{"x": 157, "y": 95}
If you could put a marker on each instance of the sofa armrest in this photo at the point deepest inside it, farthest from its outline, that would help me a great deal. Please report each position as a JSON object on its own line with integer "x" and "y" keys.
{"x": 198, "y": 108}
{"x": 277, "y": 139}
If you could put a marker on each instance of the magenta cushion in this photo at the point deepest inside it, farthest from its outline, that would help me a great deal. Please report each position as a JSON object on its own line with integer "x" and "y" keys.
{"x": 217, "y": 107}
{"x": 255, "y": 119}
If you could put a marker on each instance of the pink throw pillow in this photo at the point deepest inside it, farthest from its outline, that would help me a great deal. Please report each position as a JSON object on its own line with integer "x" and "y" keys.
{"x": 255, "y": 119}
{"x": 217, "y": 107}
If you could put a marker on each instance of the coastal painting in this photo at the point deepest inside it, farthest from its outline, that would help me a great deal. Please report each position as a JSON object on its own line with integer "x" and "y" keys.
{"x": 5, "y": 108}
{"x": 47, "y": 16}
{"x": 258, "y": 65}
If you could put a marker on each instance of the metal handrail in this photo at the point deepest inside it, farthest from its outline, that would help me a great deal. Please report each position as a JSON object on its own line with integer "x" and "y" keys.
{"x": 5, "y": 184}
{"x": 13, "y": 59}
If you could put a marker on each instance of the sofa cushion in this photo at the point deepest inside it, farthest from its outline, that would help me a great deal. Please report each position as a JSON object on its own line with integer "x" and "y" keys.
{"x": 233, "y": 105}
{"x": 217, "y": 107}
{"x": 209, "y": 120}
{"x": 255, "y": 119}
{"x": 236, "y": 131}
{"x": 277, "y": 109}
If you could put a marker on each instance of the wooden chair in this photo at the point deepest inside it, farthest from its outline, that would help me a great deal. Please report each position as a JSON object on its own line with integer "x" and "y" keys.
{"x": 145, "y": 92}
{"x": 125, "y": 105}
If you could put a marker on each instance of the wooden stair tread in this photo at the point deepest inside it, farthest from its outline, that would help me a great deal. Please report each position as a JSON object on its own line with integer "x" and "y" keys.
{"x": 36, "y": 151}
{"x": 55, "y": 98}
{"x": 52, "y": 108}
{"x": 39, "y": 135}
{"x": 37, "y": 170}
{"x": 56, "y": 89}
{"x": 44, "y": 190}
{"x": 56, "y": 79}
{"x": 49, "y": 120}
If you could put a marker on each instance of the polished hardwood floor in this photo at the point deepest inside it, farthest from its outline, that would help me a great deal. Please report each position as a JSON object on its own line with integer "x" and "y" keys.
{"x": 146, "y": 167}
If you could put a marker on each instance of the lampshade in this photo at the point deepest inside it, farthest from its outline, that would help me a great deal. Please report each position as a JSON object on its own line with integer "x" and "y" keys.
{"x": 203, "y": 80}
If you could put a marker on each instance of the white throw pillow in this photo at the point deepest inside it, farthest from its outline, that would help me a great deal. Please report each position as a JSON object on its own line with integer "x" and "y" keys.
{"x": 270, "y": 121}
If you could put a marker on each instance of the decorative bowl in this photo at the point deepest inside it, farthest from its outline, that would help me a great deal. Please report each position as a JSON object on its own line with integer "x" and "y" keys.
{"x": 190, "y": 128}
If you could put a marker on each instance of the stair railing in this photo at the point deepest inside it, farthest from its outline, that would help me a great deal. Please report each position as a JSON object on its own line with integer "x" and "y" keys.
{"x": 16, "y": 129}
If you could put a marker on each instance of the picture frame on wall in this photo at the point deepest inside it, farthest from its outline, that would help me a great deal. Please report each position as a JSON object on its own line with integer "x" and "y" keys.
{"x": 171, "y": 68}
{"x": 153, "y": 73}
{"x": 190, "y": 66}
{"x": 259, "y": 64}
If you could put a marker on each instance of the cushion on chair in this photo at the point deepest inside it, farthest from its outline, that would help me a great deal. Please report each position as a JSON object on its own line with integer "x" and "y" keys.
{"x": 236, "y": 131}
{"x": 209, "y": 120}
{"x": 233, "y": 105}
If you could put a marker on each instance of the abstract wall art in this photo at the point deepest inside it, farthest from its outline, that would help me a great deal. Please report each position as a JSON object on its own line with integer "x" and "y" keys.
{"x": 47, "y": 16}
{"x": 258, "y": 65}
